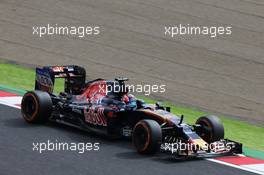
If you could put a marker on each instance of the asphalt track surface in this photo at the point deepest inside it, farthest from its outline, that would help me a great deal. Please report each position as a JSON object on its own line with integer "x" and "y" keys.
{"x": 223, "y": 75}
{"x": 114, "y": 157}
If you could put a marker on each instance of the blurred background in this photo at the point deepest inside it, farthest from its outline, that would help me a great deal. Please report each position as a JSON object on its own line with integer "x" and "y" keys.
{"x": 222, "y": 75}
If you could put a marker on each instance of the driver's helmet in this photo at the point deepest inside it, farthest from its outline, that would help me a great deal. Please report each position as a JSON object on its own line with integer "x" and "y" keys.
{"x": 125, "y": 99}
{"x": 130, "y": 101}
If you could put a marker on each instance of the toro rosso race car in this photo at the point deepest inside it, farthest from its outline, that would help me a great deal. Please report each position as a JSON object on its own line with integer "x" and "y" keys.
{"x": 106, "y": 107}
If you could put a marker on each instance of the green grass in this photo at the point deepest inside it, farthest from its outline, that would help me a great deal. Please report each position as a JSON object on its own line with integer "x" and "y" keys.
{"x": 22, "y": 78}
{"x": 251, "y": 136}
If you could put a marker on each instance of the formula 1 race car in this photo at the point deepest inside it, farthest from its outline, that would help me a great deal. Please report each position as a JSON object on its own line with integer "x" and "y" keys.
{"x": 106, "y": 107}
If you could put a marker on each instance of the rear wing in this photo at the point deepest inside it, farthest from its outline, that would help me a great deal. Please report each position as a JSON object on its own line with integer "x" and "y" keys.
{"x": 74, "y": 78}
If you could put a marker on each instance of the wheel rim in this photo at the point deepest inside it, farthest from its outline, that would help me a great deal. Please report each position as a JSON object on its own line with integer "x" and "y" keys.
{"x": 207, "y": 136}
{"x": 29, "y": 107}
{"x": 141, "y": 138}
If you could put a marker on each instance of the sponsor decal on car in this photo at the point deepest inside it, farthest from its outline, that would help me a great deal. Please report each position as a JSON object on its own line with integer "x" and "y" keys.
{"x": 58, "y": 69}
{"x": 44, "y": 80}
{"x": 95, "y": 116}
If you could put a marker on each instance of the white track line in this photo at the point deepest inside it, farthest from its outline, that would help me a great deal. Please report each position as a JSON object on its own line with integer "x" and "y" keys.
{"x": 11, "y": 101}
{"x": 11, "y": 105}
{"x": 236, "y": 166}
{"x": 258, "y": 167}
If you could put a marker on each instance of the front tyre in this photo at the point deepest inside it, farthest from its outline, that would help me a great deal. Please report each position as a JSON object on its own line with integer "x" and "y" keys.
{"x": 36, "y": 106}
{"x": 147, "y": 136}
{"x": 212, "y": 128}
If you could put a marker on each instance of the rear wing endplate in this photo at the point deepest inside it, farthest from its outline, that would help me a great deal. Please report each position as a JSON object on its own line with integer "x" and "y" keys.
{"x": 45, "y": 76}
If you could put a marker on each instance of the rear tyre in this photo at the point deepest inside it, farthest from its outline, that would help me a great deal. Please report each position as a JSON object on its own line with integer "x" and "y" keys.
{"x": 212, "y": 128}
{"x": 147, "y": 136}
{"x": 36, "y": 106}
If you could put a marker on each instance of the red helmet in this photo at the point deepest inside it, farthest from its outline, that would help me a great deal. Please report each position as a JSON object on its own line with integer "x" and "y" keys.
{"x": 125, "y": 98}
